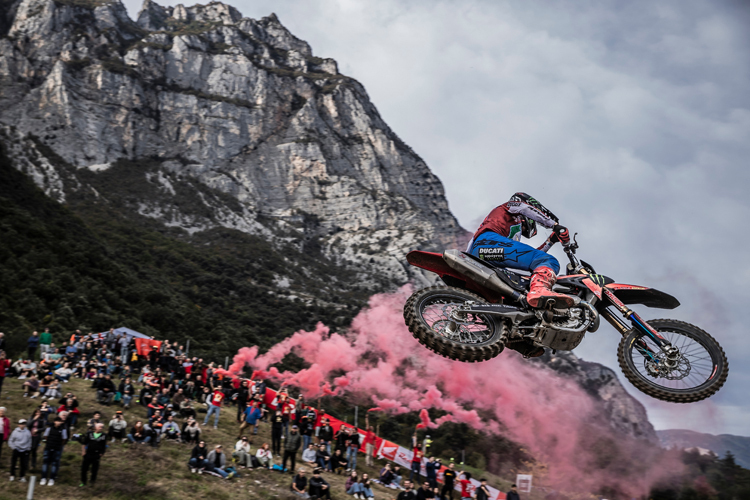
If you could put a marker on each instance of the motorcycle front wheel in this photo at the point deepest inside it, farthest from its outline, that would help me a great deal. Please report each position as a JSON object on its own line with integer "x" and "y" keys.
{"x": 432, "y": 318}
{"x": 699, "y": 372}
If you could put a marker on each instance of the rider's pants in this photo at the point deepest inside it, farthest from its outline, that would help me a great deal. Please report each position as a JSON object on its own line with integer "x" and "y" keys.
{"x": 505, "y": 252}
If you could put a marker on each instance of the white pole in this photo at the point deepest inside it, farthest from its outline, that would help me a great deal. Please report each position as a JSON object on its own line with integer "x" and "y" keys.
{"x": 30, "y": 495}
{"x": 356, "y": 410}
{"x": 187, "y": 348}
{"x": 226, "y": 362}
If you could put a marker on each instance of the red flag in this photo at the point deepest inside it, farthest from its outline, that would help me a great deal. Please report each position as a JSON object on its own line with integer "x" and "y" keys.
{"x": 145, "y": 346}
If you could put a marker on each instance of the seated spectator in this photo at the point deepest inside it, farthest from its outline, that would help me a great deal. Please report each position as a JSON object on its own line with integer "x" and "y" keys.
{"x": 127, "y": 391}
{"x": 171, "y": 430}
{"x": 31, "y": 387}
{"x": 44, "y": 384}
{"x": 309, "y": 456}
{"x": 386, "y": 477}
{"x": 186, "y": 409}
{"x": 105, "y": 390}
{"x": 139, "y": 434}
{"x": 198, "y": 458}
{"x": 242, "y": 453}
{"x": 264, "y": 456}
{"x": 179, "y": 397}
{"x": 426, "y": 491}
{"x": 117, "y": 427}
{"x": 216, "y": 462}
{"x": 95, "y": 419}
{"x": 299, "y": 484}
{"x": 362, "y": 488}
{"x": 339, "y": 462}
{"x": 351, "y": 480}
{"x": 64, "y": 373}
{"x": 53, "y": 392}
{"x": 71, "y": 407}
{"x": 323, "y": 458}
{"x": 319, "y": 487}
{"x": 397, "y": 476}
{"x": 191, "y": 432}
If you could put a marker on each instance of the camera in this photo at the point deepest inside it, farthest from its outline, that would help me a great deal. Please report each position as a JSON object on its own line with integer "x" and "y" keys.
{"x": 77, "y": 438}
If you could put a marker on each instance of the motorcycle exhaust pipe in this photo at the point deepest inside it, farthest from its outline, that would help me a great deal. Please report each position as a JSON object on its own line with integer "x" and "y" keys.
{"x": 483, "y": 275}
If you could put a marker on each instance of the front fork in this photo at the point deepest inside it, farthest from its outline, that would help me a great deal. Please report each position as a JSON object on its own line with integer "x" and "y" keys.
{"x": 640, "y": 324}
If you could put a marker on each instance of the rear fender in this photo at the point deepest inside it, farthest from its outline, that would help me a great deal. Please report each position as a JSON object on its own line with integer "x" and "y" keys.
{"x": 435, "y": 263}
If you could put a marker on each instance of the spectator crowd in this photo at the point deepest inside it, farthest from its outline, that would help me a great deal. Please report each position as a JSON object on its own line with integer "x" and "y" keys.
{"x": 173, "y": 389}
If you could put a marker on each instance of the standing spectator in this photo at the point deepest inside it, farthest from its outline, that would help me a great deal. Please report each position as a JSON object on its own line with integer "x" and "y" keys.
{"x": 55, "y": 438}
{"x": 416, "y": 459}
{"x": 291, "y": 446}
{"x": 37, "y": 426}
{"x": 32, "y": 343}
{"x": 369, "y": 441}
{"x": 4, "y": 367}
{"x": 214, "y": 407}
{"x": 117, "y": 427}
{"x": 20, "y": 444}
{"x": 2, "y": 341}
{"x": 465, "y": 484}
{"x": 352, "y": 448}
{"x": 243, "y": 396}
{"x": 264, "y": 456}
{"x": 216, "y": 461}
{"x": 45, "y": 340}
{"x": 483, "y": 492}
{"x": 341, "y": 437}
{"x": 325, "y": 434}
{"x": 277, "y": 430}
{"x": 309, "y": 456}
{"x": 513, "y": 493}
{"x": 198, "y": 458}
{"x": 93, "y": 447}
{"x": 250, "y": 416}
{"x": 319, "y": 487}
{"x": 299, "y": 482}
{"x": 449, "y": 482}
{"x": 124, "y": 343}
{"x": 431, "y": 468}
{"x": 408, "y": 493}
{"x": 242, "y": 454}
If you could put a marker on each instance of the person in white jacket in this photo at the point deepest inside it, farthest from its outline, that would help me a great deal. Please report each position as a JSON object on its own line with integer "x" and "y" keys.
{"x": 264, "y": 456}
{"x": 20, "y": 443}
{"x": 242, "y": 453}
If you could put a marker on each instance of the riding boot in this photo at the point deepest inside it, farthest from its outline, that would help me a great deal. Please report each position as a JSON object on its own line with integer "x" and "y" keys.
{"x": 541, "y": 295}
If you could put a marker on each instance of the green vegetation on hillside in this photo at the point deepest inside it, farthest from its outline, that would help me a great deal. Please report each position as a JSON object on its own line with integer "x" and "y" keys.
{"x": 96, "y": 269}
{"x": 707, "y": 477}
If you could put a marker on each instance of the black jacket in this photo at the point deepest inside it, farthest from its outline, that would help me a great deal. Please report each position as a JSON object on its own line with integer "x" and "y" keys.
{"x": 95, "y": 446}
{"x": 199, "y": 453}
{"x": 512, "y": 495}
{"x": 326, "y": 433}
{"x": 293, "y": 442}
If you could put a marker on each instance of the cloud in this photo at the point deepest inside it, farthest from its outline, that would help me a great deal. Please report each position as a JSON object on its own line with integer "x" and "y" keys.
{"x": 629, "y": 120}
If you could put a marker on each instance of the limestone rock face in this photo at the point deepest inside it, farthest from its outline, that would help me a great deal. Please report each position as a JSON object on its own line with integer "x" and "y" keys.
{"x": 237, "y": 105}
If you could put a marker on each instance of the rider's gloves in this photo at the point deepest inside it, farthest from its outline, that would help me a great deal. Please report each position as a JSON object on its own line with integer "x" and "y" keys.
{"x": 562, "y": 233}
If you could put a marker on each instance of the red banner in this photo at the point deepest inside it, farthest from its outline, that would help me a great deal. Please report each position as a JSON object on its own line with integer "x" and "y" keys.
{"x": 145, "y": 346}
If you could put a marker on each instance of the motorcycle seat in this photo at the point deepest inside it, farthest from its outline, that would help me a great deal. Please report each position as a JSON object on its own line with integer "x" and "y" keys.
{"x": 515, "y": 280}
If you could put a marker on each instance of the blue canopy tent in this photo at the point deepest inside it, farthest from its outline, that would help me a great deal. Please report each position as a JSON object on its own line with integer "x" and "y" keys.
{"x": 128, "y": 332}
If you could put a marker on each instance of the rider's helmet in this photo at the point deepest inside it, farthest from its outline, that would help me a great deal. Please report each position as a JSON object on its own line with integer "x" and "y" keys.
{"x": 528, "y": 226}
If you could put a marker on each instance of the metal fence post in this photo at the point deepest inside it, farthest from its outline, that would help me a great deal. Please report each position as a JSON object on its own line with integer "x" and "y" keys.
{"x": 32, "y": 482}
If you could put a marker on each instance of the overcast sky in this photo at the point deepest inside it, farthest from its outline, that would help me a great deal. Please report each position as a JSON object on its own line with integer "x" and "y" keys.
{"x": 629, "y": 120}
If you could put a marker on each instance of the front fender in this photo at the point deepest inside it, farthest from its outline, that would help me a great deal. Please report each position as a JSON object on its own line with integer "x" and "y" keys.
{"x": 649, "y": 297}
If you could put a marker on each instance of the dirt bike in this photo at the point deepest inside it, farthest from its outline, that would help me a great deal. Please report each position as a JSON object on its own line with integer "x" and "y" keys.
{"x": 482, "y": 309}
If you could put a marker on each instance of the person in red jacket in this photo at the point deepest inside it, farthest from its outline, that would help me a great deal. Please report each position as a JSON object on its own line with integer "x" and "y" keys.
{"x": 5, "y": 428}
{"x": 4, "y": 365}
{"x": 214, "y": 407}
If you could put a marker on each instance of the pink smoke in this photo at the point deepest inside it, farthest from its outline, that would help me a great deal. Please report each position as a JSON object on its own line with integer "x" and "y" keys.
{"x": 550, "y": 415}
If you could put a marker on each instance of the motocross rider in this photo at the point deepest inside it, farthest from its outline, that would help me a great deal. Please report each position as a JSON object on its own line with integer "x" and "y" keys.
{"x": 498, "y": 241}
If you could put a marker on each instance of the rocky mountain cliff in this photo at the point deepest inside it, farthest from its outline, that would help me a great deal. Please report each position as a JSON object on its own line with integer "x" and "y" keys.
{"x": 270, "y": 139}
{"x": 196, "y": 119}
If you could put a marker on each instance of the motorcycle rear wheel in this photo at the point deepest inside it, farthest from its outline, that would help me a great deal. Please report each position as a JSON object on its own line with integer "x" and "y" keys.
{"x": 704, "y": 370}
{"x": 478, "y": 337}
